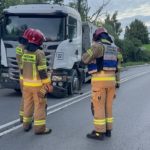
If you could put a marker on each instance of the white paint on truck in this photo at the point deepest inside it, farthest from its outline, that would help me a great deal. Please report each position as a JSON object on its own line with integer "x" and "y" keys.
{"x": 3, "y": 54}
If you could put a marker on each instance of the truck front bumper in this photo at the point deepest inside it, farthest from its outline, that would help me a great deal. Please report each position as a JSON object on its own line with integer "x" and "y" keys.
{"x": 59, "y": 92}
{"x": 9, "y": 83}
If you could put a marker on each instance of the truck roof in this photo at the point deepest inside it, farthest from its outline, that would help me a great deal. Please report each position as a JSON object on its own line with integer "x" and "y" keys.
{"x": 42, "y": 9}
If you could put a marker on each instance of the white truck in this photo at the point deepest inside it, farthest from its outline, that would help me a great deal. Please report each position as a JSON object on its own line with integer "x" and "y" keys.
{"x": 67, "y": 39}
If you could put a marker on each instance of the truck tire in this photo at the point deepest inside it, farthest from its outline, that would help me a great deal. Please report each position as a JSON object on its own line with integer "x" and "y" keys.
{"x": 17, "y": 90}
{"x": 74, "y": 84}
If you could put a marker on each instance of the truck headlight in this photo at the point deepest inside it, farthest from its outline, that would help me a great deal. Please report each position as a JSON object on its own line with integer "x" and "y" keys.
{"x": 54, "y": 83}
{"x": 60, "y": 84}
{"x": 5, "y": 75}
{"x": 57, "y": 78}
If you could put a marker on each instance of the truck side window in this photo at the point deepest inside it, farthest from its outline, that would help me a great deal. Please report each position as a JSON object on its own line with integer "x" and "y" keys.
{"x": 72, "y": 27}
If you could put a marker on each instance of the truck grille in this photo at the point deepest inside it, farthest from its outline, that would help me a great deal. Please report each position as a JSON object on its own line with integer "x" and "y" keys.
{"x": 13, "y": 68}
{"x": 50, "y": 55}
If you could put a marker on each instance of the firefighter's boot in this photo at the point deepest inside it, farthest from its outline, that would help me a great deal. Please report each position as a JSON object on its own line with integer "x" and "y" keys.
{"x": 96, "y": 135}
{"x": 108, "y": 133}
{"x": 26, "y": 129}
{"x": 117, "y": 85}
{"x": 47, "y": 131}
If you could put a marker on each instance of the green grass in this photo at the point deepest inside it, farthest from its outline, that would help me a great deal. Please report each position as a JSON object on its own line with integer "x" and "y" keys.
{"x": 146, "y": 47}
{"x": 134, "y": 63}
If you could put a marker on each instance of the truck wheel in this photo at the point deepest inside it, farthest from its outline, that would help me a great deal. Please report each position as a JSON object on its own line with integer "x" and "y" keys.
{"x": 17, "y": 90}
{"x": 74, "y": 85}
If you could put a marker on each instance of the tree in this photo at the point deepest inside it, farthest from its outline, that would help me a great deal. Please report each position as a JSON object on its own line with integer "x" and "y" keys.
{"x": 57, "y": 1}
{"x": 82, "y": 7}
{"x": 94, "y": 17}
{"x": 137, "y": 30}
{"x": 7, "y": 3}
{"x": 112, "y": 25}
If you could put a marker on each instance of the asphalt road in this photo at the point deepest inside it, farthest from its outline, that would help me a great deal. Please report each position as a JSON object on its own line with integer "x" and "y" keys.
{"x": 70, "y": 119}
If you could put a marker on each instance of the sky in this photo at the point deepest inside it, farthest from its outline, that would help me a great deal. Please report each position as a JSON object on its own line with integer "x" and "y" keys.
{"x": 128, "y": 10}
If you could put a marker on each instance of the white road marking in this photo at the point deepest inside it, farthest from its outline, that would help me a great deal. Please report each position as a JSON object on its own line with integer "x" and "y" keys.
{"x": 10, "y": 130}
{"x": 134, "y": 76}
{"x": 48, "y": 108}
{"x": 66, "y": 105}
{"x": 66, "y": 101}
{"x": 69, "y": 103}
{"x": 48, "y": 113}
{"x": 9, "y": 123}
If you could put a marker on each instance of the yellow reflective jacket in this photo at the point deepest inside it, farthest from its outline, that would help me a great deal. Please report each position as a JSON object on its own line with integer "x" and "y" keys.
{"x": 34, "y": 68}
{"x": 120, "y": 59}
{"x": 101, "y": 78}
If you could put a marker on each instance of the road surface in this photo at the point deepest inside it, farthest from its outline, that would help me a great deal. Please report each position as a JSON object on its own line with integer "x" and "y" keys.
{"x": 70, "y": 119}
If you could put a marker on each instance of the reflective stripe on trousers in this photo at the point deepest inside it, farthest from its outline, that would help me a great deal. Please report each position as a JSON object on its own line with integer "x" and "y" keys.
{"x": 109, "y": 120}
{"x": 103, "y": 121}
{"x": 39, "y": 122}
{"x": 21, "y": 113}
{"x": 27, "y": 119}
{"x": 99, "y": 121}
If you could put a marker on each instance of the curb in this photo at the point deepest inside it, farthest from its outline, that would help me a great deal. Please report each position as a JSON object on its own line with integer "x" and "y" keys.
{"x": 134, "y": 66}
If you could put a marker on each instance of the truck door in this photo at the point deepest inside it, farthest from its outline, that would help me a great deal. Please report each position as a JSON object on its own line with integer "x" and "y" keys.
{"x": 74, "y": 39}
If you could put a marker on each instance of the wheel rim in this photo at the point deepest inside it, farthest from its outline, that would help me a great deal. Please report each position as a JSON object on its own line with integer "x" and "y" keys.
{"x": 75, "y": 83}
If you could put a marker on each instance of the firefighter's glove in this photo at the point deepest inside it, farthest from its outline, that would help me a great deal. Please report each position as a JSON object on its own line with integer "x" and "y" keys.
{"x": 48, "y": 87}
{"x": 42, "y": 93}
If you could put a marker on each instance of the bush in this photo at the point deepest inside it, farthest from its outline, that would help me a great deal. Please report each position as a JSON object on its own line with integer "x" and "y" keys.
{"x": 131, "y": 50}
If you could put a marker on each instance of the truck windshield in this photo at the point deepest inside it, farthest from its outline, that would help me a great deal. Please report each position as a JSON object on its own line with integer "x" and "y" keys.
{"x": 52, "y": 27}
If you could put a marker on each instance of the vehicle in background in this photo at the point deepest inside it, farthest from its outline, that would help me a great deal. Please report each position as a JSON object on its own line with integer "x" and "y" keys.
{"x": 66, "y": 40}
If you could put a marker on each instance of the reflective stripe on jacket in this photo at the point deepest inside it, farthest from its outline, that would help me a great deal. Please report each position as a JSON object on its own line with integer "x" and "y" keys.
{"x": 19, "y": 54}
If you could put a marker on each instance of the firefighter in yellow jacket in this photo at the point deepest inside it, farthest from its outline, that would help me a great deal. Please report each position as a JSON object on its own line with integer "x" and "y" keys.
{"x": 35, "y": 83}
{"x": 23, "y": 41}
{"x": 120, "y": 61}
{"x": 102, "y": 63}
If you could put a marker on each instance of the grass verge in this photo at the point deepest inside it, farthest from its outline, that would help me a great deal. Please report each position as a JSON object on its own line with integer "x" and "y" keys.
{"x": 134, "y": 63}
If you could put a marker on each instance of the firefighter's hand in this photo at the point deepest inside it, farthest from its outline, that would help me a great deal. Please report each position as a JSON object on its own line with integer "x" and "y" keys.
{"x": 48, "y": 87}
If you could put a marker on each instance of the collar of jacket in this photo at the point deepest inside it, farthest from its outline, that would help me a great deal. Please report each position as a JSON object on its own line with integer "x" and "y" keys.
{"x": 32, "y": 47}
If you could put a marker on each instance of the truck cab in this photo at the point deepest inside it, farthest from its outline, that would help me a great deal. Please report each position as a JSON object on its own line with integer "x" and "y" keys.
{"x": 63, "y": 47}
